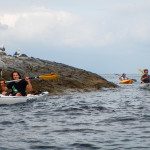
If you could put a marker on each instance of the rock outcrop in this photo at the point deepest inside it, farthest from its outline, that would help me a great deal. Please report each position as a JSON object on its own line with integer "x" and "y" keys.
{"x": 70, "y": 79}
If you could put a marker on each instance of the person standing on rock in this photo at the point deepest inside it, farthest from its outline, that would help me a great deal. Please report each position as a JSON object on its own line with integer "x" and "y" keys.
{"x": 18, "y": 87}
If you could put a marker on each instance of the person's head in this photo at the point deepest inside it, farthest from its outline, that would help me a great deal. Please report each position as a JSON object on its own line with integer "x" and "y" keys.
{"x": 15, "y": 75}
{"x": 146, "y": 71}
{"x": 123, "y": 74}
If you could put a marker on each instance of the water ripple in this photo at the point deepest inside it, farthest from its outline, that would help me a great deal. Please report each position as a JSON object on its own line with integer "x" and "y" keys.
{"x": 106, "y": 119}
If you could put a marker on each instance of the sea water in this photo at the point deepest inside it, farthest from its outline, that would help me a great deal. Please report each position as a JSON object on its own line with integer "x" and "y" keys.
{"x": 107, "y": 119}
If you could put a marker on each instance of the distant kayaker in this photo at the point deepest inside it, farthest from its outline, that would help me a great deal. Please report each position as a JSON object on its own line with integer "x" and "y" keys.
{"x": 123, "y": 77}
{"x": 145, "y": 78}
{"x": 18, "y": 87}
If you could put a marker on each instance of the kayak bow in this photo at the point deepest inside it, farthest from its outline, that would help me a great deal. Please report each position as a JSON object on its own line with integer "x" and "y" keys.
{"x": 126, "y": 81}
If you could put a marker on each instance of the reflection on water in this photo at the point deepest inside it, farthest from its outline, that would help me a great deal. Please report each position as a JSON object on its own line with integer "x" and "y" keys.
{"x": 106, "y": 119}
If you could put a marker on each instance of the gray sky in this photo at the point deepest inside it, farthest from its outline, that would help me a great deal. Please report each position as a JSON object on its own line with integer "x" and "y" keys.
{"x": 101, "y": 36}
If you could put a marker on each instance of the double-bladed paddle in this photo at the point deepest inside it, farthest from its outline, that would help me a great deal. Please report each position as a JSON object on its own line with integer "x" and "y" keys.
{"x": 141, "y": 71}
{"x": 45, "y": 77}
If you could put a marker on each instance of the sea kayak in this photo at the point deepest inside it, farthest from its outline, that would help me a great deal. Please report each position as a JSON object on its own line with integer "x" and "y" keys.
{"x": 145, "y": 86}
{"x": 8, "y": 100}
{"x": 126, "y": 81}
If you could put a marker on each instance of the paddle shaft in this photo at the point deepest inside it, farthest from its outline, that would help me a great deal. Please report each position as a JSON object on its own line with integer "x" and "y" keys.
{"x": 47, "y": 76}
{"x": 20, "y": 79}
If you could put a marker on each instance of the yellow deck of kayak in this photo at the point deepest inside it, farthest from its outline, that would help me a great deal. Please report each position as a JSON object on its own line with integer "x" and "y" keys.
{"x": 126, "y": 82}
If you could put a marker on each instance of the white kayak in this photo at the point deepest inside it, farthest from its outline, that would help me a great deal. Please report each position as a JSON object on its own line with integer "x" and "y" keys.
{"x": 8, "y": 100}
{"x": 145, "y": 86}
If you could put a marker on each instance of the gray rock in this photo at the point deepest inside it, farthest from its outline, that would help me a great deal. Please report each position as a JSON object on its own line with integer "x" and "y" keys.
{"x": 70, "y": 79}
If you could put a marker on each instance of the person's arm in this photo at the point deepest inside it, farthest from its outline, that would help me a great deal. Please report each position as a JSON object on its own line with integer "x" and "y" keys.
{"x": 126, "y": 78}
{"x": 3, "y": 87}
{"x": 143, "y": 78}
{"x": 29, "y": 86}
{"x": 120, "y": 78}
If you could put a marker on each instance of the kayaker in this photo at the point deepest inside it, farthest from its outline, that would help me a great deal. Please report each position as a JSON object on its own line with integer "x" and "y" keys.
{"x": 18, "y": 87}
{"x": 123, "y": 77}
{"x": 145, "y": 78}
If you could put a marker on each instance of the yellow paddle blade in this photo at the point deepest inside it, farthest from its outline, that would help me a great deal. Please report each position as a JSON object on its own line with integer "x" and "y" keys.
{"x": 141, "y": 71}
{"x": 49, "y": 76}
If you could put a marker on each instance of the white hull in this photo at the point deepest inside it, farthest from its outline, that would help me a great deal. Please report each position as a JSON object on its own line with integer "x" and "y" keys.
{"x": 145, "y": 86}
{"x": 8, "y": 100}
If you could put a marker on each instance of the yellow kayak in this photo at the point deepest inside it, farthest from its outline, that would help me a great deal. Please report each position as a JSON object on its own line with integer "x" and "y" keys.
{"x": 126, "y": 81}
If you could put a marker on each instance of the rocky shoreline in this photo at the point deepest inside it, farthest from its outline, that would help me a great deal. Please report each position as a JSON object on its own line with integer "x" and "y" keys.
{"x": 70, "y": 79}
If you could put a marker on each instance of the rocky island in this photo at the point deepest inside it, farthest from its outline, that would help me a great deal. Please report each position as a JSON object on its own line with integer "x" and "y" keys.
{"x": 70, "y": 79}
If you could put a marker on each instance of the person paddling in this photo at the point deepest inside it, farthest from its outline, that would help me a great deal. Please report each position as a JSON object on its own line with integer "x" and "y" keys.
{"x": 123, "y": 77}
{"x": 18, "y": 87}
{"x": 145, "y": 78}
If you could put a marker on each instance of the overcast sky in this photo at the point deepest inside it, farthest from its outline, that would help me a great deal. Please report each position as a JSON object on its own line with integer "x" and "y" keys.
{"x": 101, "y": 36}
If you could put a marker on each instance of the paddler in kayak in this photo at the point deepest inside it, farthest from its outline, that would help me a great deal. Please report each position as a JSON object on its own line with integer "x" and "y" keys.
{"x": 123, "y": 77}
{"x": 18, "y": 87}
{"x": 145, "y": 78}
